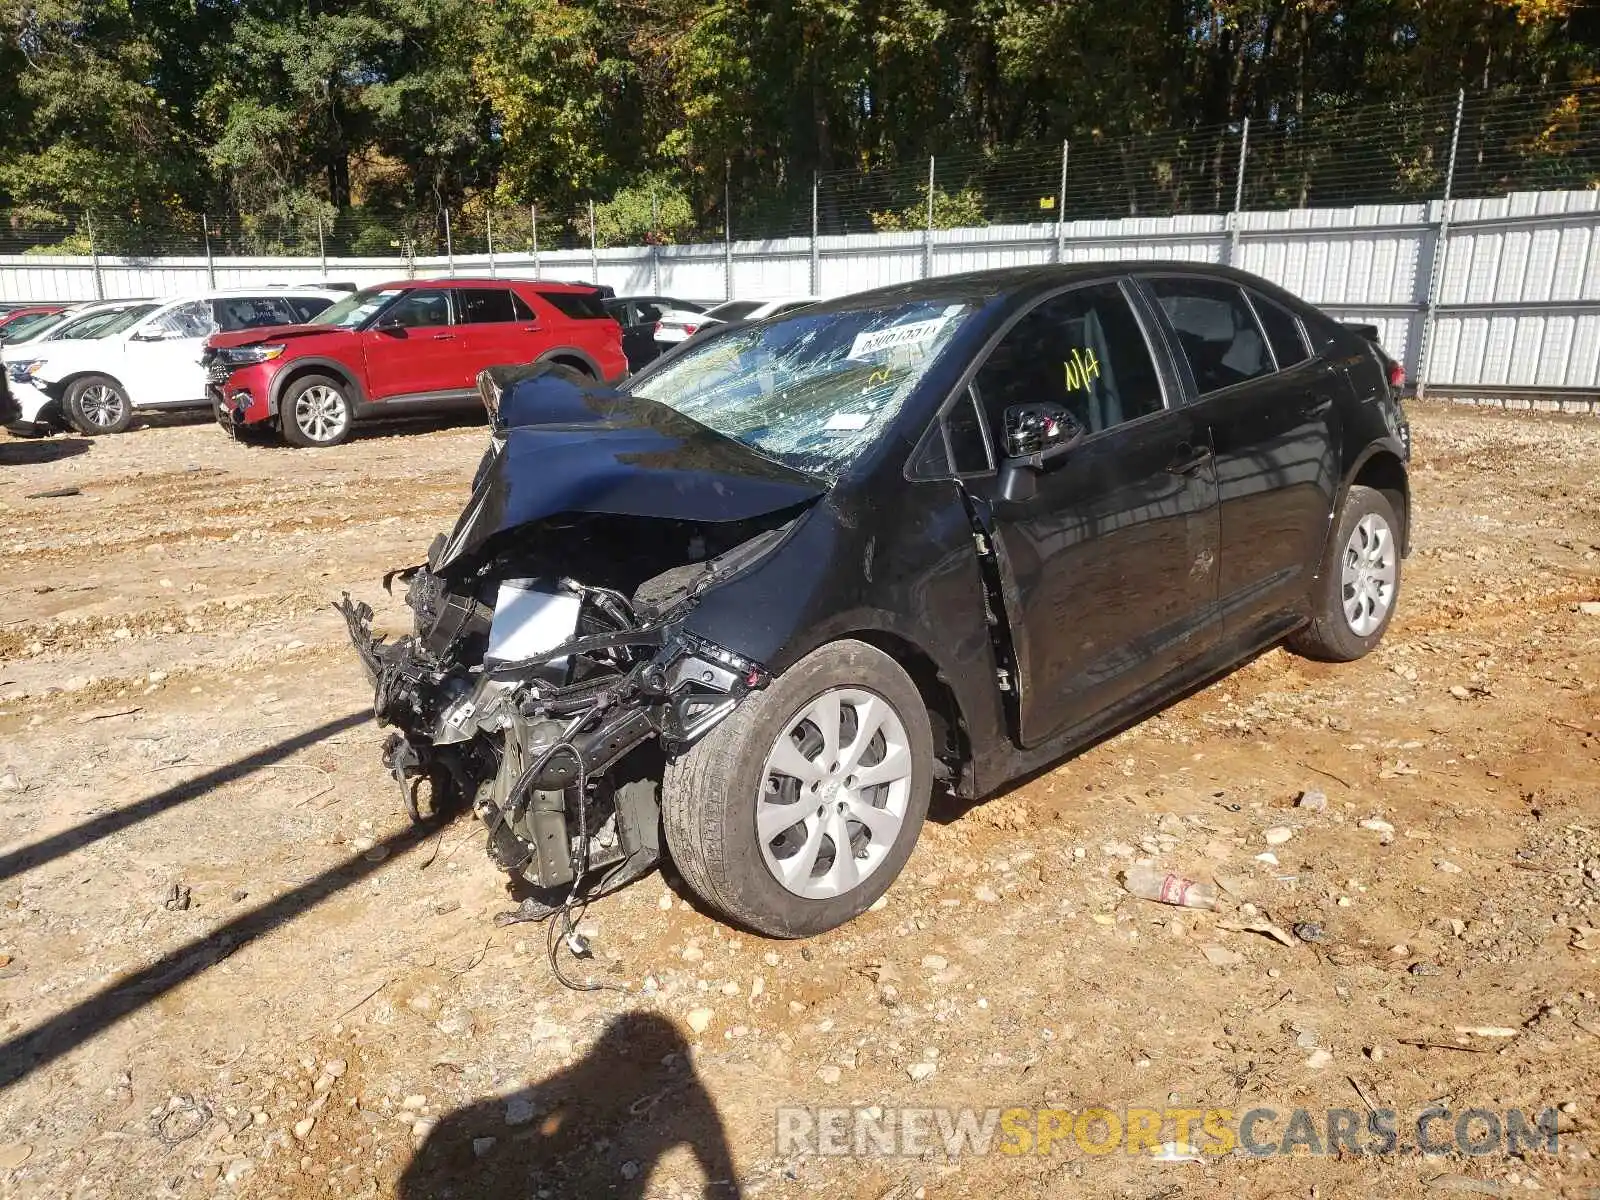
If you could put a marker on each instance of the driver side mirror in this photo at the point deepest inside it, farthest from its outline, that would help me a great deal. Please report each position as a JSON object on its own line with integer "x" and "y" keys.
{"x": 1035, "y": 434}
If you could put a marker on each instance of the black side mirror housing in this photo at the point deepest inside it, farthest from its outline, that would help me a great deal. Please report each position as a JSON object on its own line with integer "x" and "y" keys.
{"x": 1035, "y": 434}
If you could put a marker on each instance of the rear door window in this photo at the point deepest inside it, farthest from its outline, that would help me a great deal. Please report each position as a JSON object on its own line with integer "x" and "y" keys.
{"x": 485, "y": 306}
{"x": 580, "y": 306}
{"x": 1216, "y": 329}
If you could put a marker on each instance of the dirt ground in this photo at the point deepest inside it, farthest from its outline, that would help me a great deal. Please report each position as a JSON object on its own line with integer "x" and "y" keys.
{"x": 228, "y": 966}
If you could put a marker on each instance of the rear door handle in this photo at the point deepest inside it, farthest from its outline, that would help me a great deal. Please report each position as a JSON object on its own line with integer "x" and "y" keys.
{"x": 1189, "y": 461}
{"x": 444, "y": 337}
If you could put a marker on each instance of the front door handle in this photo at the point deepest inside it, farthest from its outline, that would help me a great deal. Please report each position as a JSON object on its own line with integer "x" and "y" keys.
{"x": 444, "y": 337}
{"x": 1188, "y": 461}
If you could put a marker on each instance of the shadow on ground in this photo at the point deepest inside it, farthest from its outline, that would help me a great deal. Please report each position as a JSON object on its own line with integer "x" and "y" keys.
{"x": 18, "y": 452}
{"x": 598, "y": 1128}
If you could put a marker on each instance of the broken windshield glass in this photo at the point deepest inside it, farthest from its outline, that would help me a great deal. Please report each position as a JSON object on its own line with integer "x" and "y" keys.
{"x": 812, "y": 390}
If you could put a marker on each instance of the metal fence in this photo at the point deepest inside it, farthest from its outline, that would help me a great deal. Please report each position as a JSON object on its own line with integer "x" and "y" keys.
{"x": 1461, "y": 226}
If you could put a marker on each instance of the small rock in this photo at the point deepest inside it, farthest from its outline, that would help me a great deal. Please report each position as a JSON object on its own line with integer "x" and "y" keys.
{"x": 1221, "y": 956}
{"x": 1171, "y": 823}
{"x": 986, "y": 894}
{"x": 1375, "y": 1053}
{"x": 519, "y": 1111}
{"x": 302, "y": 1128}
{"x": 770, "y": 959}
{"x": 693, "y": 954}
{"x": 630, "y": 1170}
{"x": 413, "y": 1103}
{"x": 921, "y": 1071}
{"x": 829, "y": 1074}
{"x": 1376, "y": 825}
{"x": 878, "y": 905}
{"x": 376, "y": 854}
{"x": 1267, "y": 857}
{"x": 1117, "y": 850}
{"x": 237, "y": 1170}
{"x": 10, "y": 783}
{"x": 664, "y": 902}
{"x": 935, "y": 962}
{"x": 1449, "y": 868}
{"x": 1423, "y": 968}
{"x": 1278, "y": 835}
{"x": 423, "y": 1126}
{"x": 177, "y": 898}
{"x": 1312, "y": 800}
{"x": 1589, "y": 608}
{"x": 699, "y": 1019}
{"x": 1319, "y": 1059}
{"x": 481, "y": 1146}
{"x": 1460, "y": 693}
{"x": 1400, "y": 951}
{"x": 1310, "y": 931}
{"x": 730, "y": 988}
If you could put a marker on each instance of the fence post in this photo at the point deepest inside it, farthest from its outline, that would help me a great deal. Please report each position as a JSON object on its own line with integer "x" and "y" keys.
{"x": 533, "y": 211}
{"x": 594, "y": 248}
{"x": 409, "y": 244}
{"x": 322, "y": 248}
{"x": 94, "y": 258}
{"x": 816, "y": 251}
{"x": 1061, "y": 207}
{"x": 1441, "y": 252}
{"x": 927, "y": 235}
{"x": 1238, "y": 196}
{"x": 488, "y": 233}
{"x": 449, "y": 245}
{"x": 655, "y": 244}
{"x": 727, "y": 228}
{"x": 211, "y": 269}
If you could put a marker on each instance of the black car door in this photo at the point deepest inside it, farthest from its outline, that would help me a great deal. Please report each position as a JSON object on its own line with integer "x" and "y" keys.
{"x": 1269, "y": 404}
{"x": 1109, "y": 568}
{"x": 639, "y": 334}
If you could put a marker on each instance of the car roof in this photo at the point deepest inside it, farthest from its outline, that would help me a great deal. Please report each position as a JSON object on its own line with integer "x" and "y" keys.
{"x": 556, "y": 285}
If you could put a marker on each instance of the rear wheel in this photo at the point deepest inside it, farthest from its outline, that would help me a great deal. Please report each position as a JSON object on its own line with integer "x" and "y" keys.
{"x": 316, "y": 411}
{"x": 97, "y": 404}
{"x": 1360, "y": 584}
{"x": 797, "y": 812}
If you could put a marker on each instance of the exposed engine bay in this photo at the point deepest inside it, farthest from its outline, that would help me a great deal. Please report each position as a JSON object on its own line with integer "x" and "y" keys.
{"x": 545, "y": 685}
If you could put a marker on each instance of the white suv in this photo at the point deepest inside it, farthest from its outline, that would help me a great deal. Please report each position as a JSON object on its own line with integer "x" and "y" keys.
{"x": 152, "y": 361}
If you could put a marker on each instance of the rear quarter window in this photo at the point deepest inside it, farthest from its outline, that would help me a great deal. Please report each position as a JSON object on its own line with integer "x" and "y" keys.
{"x": 578, "y": 306}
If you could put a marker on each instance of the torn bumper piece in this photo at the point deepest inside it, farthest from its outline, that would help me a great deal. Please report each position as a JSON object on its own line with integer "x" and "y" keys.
{"x": 543, "y": 750}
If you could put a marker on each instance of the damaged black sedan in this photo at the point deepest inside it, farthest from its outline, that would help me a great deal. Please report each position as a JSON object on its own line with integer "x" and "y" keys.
{"x": 763, "y": 596}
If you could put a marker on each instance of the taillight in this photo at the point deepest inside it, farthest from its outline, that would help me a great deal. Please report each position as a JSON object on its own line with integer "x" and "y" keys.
{"x": 689, "y": 330}
{"x": 658, "y": 327}
{"x": 1397, "y": 376}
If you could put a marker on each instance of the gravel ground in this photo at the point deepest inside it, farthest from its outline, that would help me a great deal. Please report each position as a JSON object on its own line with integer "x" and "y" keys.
{"x": 228, "y": 967}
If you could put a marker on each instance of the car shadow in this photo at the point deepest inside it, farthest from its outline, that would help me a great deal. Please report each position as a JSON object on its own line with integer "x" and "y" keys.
{"x": 597, "y": 1128}
{"x": 18, "y": 452}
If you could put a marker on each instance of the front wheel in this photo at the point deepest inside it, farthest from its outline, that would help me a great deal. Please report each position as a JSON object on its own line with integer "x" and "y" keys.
{"x": 316, "y": 411}
{"x": 1360, "y": 584}
{"x": 797, "y": 812}
{"x": 97, "y": 404}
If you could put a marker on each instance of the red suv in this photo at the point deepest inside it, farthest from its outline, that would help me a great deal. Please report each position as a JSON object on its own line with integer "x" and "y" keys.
{"x": 411, "y": 347}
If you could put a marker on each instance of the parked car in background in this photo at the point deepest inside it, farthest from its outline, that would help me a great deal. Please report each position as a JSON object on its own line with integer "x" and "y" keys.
{"x": 638, "y": 316}
{"x": 152, "y": 361}
{"x": 679, "y": 325}
{"x": 16, "y": 320}
{"x": 404, "y": 348}
{"x": 948, "y": 530}
{"x": 40, "y": 413}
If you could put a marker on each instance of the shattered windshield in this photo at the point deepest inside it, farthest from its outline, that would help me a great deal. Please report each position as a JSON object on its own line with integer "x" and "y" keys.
{"x": 811, "y": 390}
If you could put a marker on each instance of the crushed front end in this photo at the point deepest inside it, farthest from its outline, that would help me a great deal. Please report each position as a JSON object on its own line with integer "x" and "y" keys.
{"x": 550, "y": 673}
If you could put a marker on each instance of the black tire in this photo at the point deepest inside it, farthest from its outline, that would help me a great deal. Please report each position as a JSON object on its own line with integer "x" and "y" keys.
{"x": 709, "y": 795}
{"x": 1332, "y": 635}
{"x": 330, "y": 423}
{"x": 96, "y": 404}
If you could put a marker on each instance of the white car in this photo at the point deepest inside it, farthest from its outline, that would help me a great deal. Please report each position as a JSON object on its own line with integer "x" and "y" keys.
{"x": 679, "y": 325}
{"x": 86, "y": 322}
{"x": 148, "y": 357}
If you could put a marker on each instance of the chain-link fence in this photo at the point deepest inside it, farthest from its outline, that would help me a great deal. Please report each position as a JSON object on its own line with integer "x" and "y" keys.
{"x": 1519, "y": 140}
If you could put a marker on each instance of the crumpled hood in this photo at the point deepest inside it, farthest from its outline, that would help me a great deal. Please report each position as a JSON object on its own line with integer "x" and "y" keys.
{"x": 272, "y": 333}
{"x": 562, "y": 445}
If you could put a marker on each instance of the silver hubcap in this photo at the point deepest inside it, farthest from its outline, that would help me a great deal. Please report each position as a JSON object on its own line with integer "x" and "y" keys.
{"x": 834, "y": 793}
{"x": 320, "y": 413}
{"x": 1370, "y": 567}
{"x": 100, "y": 405}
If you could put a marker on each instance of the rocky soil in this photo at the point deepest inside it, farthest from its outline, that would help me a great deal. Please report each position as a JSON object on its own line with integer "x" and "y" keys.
{"x": 229, "y": 967}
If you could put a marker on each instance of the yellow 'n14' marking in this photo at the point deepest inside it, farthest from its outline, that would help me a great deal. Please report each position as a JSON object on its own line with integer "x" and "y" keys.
{"x": 1083, "y": 369}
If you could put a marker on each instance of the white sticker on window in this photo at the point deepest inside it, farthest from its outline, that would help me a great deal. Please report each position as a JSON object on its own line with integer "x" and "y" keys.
{"x": 910, "y": 334}
{"x": 847, "y": 423}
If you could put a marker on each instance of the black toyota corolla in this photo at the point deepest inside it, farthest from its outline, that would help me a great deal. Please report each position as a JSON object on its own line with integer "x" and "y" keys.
{"x": 768, "y": 593}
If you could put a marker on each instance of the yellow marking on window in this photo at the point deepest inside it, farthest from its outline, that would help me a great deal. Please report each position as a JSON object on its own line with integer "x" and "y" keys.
{"x": 1082, "y": 370}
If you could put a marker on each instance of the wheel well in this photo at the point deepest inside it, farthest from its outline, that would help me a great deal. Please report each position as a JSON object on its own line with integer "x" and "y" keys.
{"x": 58, "y": 389}
{"x": 296, "y": 374}
{"x": 944, "y": 712}
{"x": 1385, "y": 473}
{"x": 572, "y": 362}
